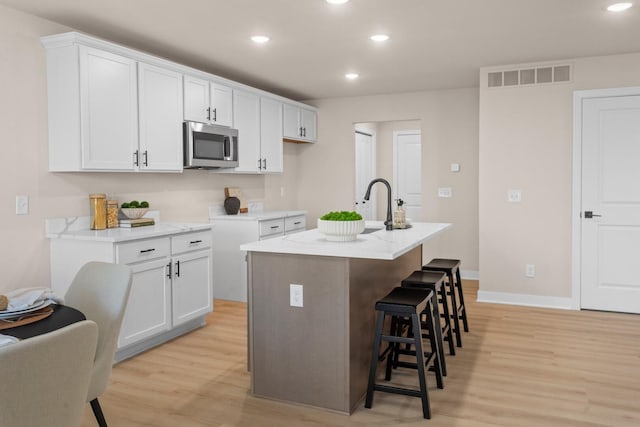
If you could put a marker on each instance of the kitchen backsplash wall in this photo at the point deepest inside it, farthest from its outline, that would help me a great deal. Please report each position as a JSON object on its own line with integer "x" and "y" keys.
{"x": 24, "y": 256}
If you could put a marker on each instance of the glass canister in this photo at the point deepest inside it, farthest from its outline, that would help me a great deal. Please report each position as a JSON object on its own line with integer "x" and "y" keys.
{"x": 399, "y": 215}
{"x": 98, "y": 211}
{"x": 112, "y": 213}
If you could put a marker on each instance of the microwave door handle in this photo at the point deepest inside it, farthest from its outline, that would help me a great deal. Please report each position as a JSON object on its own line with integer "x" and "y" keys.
{"x": 228, "y": 148}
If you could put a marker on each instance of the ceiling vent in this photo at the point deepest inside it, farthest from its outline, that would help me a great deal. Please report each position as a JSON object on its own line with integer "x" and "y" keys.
{"x": 530, "y": 76}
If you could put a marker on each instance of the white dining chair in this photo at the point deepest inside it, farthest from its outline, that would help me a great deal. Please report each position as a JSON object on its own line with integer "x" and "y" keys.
{"x": 100, "y": 291}
{"x": 44, "y": 379}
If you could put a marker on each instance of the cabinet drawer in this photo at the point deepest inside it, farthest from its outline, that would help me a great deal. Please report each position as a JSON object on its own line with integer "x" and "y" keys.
{"x": 142, "y": 250}
{"x": 295, "y": 223}
{"x": 271, "y": 227}
{"x": 190, "y": 242}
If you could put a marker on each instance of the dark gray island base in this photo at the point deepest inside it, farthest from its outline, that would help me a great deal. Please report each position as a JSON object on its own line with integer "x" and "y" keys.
{"x": 317, "y": 354}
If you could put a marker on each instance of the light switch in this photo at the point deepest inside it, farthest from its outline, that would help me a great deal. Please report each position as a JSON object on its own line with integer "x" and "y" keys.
{"x": 514, "y": 196}
{"x": 22, "y": 205}
{"x": 455, "y": 167}
{"x": 295, "y": 295}
{"x": 445, "y": 192}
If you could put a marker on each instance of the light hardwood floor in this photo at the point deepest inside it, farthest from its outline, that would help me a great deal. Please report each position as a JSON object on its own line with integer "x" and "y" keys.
{"x": 519, "y": 367}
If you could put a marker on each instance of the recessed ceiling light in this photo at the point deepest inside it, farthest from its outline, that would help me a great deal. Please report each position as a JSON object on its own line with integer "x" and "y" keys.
{"x": 260, "y": 39}
{"x": 337, "y": 1}
{"x": 619, "y": 7}
{"x": 352, "y": 76}
{"x": 379, "y": 37}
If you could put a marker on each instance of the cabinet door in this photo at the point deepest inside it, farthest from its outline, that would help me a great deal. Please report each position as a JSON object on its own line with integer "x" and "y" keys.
{"x": 192, "y": 286}
{"x": 148, "y": 311}
{"x": 271, "y": 134}
{"x": 291, "y": 121}
{"x": 308, "y": 124}
{"x": 108, "y": 110}
{"x": 246, "y": 118}
{"x": 221, "y": 105}
{"x": 196, "y": 99}
{"x": 160, "y": 101}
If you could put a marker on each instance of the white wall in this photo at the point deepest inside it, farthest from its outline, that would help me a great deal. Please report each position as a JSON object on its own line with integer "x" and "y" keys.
{"x": 24, "y": 254}
{"x": 449, "y": 124}
{"x": 526, "y": 143}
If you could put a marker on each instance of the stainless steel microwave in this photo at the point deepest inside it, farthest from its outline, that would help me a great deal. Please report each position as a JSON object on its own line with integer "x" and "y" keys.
{"x": 209, "y": 146}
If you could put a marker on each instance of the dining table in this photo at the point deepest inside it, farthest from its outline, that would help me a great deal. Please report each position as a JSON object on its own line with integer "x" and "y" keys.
{"x": 61, "y": 316}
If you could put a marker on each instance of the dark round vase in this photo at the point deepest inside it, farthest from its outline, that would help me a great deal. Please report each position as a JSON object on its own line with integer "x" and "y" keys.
{"x": 231, "y": 205}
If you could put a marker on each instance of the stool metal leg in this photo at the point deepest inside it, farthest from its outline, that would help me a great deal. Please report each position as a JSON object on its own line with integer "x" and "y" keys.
{"x": 447, "y": 319}
{"x": 435, "y": 317}
{"x": 454, "y": 307}
{"x": 374, "y": 360}
{"x": 417, "y": 333}
{"x": 463, "y": 316}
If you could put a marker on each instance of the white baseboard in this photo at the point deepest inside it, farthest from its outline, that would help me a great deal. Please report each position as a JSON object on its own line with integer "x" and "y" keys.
{"x": 526, "y": 300}
{"x": 470, "y": 274}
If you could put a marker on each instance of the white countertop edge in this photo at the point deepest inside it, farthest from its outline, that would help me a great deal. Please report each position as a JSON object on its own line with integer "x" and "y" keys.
{"x": 257, "y": 216}
{"x": 376, "y": 245}
{"x": 126, "y": 234}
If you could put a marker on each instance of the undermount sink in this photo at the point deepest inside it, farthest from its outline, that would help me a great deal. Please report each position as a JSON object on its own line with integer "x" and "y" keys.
{"x": 371, "y": 230}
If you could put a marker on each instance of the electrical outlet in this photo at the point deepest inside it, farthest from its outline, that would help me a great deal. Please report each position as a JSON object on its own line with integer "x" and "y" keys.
{"x": 445, "y": 192}
{"x": 22, "y": 205}
{"x": 295, "y": 295}
{"x": 514, "y": 196}
{"x": 530, "y": 270}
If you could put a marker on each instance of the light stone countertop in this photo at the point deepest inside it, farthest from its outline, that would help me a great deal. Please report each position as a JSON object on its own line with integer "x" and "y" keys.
{"x": 381, "y": 244}
{"x": 253, "y": 216}
{"x": 78, "y": 228}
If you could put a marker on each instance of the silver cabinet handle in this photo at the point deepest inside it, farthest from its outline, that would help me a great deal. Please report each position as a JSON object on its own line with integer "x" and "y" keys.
{"x": 215, "y": 114}
{"x": 177, "y": 268}
{"x": 259, "y": 164}
{"x": 135, "y": 157}
{"x": 273, "y": 227}
{"x": 145, "y": 155}
{"x": 193, "y": 242}
{"x": 208, "y": 113}
{"x": 264, "y": 164}
{"x": 169, "y": 270}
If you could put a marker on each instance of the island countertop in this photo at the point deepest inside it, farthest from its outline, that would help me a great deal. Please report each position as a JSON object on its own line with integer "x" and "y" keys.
{"x": 380, "y": 244}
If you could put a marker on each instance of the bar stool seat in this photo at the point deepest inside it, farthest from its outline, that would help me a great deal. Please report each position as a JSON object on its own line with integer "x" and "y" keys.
{"x": 405, "y": 303}
{"x": 434, "y": 281}
{"x": 451, "y": 267}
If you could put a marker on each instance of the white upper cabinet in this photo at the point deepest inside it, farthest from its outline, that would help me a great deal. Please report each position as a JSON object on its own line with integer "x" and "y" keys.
{"x": 299, "y": 123}
{"x": 160, "y": 119}
{"x": 271, "y": 134}
{"x": 259, "y": 123}
{"x": 207, "y": 102}
{"x": 221, "y": 104}
{"x": 246, "y": 118}
{"x": 108, "y": 110}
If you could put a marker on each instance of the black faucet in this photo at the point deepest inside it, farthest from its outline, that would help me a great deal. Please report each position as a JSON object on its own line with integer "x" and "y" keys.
{"x": 389, "y": 222}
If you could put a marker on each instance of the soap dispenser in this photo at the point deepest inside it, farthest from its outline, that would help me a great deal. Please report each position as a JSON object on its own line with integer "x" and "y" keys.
{"x": 399, "y": 215}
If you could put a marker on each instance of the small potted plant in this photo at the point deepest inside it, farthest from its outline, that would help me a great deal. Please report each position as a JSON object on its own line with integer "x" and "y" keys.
{"x": 342, "y": 226}
{"x": 134, "y": 209}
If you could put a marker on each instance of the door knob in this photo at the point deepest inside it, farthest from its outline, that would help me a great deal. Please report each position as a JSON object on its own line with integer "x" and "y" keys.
{"x": 590, "y": 214}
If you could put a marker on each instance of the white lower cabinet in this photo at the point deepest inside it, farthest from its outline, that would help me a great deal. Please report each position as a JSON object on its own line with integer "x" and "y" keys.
{"x": 231, "y": 231}
{"x": 171, "y": 288}
{"x": 149, "y": 306}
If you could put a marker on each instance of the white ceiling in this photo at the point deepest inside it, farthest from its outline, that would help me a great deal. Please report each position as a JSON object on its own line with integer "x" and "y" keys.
{"x": 434, "y": 43}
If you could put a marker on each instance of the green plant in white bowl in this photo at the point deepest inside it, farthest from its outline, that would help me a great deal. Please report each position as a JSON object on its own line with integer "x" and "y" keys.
{"x": 342, "y": 226}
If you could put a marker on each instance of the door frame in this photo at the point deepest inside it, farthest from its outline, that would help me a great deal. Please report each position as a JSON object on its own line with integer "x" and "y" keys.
{"x": 576, "y": 210}
{"x": 374, "y": 164}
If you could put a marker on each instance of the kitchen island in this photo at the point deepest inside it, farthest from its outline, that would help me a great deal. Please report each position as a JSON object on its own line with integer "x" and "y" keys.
{"x": 318, "y": 354}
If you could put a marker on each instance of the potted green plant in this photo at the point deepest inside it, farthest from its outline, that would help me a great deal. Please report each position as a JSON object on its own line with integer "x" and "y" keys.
{"x": 341, "y": 226}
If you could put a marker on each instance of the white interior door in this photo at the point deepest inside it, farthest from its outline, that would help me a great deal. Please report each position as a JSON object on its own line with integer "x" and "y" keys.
{"x": 407, "y": 171}
{"x": 365, "y": 173}
{"x": 610, "y": 248}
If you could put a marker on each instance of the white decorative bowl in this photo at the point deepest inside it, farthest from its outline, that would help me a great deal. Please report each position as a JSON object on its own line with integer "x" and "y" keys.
{"x": 134, "y": 213}
{"x": 340, "y": 231}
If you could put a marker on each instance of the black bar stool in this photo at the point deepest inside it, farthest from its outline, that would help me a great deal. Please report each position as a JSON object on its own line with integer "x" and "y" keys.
{"x": 434, "y": 281}
{"x": 451, "y": 267}
{"x": 405, "y": 303}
